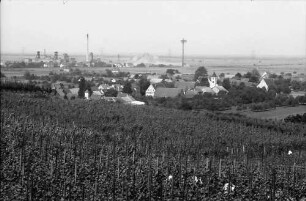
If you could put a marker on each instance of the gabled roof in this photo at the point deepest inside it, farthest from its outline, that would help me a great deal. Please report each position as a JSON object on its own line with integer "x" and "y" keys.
{"x": 155, "y": 80}
{"x": 184, "y": 85}
{"x": 204, "y": 89}
{"x": 269, "y": 82}
{"x": 74, "y": 91}
{"x": 98, "y": 93}
{"x": 60, "y": 92}
{"x": 190, "y": 94}
{"x": 214, "y": 75}
{"x": 94, "y": 88}
{"x": 221, "y": 88}
{"x": 104, "y": 86}
{"x": 167, "y": 92}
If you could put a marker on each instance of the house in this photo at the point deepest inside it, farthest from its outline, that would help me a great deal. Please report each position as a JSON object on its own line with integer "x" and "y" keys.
{"x": 94, "y": 88}
{"x": 265, "y": 83}
{"x": 190, "y": 93}
{"x": 155, "y": 80}
{"x": 74, "y": 91}
{"x": 103, "y": 87}
{"x": 150, "y": 91}
{"x": 96, "y": 95}
{"x": 204, "y": 89}
{"x": 87, "y": 94}
{"x": 167, "y": 92}
{"x": 117, "y": 87}
{"x": 127, "y": 99}
{"x": 218, "y": 88}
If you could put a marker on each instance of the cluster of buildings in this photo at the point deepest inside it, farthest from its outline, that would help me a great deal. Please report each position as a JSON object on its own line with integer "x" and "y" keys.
{"x": 70, "y": 91}
{"x": 184, "y": 88}
{"x": 51, "y": 61}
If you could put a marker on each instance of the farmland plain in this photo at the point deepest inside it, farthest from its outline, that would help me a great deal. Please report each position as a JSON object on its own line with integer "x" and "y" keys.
{"x": 227, "y": 65}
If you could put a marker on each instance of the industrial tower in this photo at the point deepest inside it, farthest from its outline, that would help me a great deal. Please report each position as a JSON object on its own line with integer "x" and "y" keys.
{"x": 183, "y": 41}
{"x": 87, "y": 52}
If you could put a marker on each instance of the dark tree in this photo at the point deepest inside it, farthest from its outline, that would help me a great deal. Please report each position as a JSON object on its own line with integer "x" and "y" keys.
{"x": 127, "y": 88}
{"x": 111, "y": 93}
{"x": 172, "y": 71}
{"x": 141, "y": 65}
{"x": 238, "y": 76}
{"x": 82, "y": 87}
{"x": 248, "y": 75}
{"x": 109, "y": 73}
{"x": 143, "y": 85}
{"x": 200, "y": 72}
{"x": 226, "y": 84}
{"x": 254, "y": 79}
{"x": 255, "y": 72}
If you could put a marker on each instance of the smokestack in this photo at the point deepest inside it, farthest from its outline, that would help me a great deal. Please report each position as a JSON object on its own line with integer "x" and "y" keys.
{"x": 55, "y": 55}
{"x": 87, "y": 52}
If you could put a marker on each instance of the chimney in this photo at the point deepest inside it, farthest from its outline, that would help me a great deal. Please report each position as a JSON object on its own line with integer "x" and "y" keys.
{"x": 38, "y": 55}
{"x": 55, "y": 55}
{"x": 87, "y": 52}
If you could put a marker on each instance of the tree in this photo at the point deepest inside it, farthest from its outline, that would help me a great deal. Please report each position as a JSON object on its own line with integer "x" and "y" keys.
{"x": 222, "y": 75}
{"x": 82, "y": 87}
{"x": 2, "y": 75}
{"x": 27, "y": 75}
{"x": 248, "y": 75}
{"x": 255, "y": 72}
{"x": 143, "y": 85}
{"x": 226, "y": 84}
{"x": 172, "y": 71}
{"x": 200, "y": 72}
{"x": 127, "y": 88}
{"x": 141, "y": 65}
{"x": 296, "y": 85}
{"x": 254, "y": 78}
{"x": 111, "y": 93}
{"x": 109, "y": 73}
{"x": 238, "y": 76}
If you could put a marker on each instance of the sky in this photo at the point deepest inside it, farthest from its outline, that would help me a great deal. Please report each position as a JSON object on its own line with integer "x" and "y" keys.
{"x": 236, "y": 27}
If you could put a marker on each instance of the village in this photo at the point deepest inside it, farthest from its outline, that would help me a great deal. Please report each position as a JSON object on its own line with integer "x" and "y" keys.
{"x": 218, "y": 92}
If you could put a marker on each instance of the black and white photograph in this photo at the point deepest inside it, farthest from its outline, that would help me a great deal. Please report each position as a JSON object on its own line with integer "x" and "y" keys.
{"x": 153, "y": 100}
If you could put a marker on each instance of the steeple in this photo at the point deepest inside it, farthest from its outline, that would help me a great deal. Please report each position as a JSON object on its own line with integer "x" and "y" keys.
{"x": 213, "y": 80}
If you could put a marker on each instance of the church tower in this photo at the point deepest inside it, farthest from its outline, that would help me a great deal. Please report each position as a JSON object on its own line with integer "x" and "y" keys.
{"x": 213, "y": 80}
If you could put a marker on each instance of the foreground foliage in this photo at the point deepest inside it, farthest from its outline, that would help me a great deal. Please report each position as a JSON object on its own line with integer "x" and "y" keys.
{"x": 54, "y": 149}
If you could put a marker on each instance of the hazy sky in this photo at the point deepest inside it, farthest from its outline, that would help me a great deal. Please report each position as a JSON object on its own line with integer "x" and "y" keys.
{"x": 210, "y": 27}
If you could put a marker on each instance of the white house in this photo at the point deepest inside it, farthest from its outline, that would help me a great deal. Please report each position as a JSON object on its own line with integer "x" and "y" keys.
{"x": 150, "y": 91}
{"x": 265, "y": 83}
{"x": 96, "y": 95}
{"x": 87, "y": 94}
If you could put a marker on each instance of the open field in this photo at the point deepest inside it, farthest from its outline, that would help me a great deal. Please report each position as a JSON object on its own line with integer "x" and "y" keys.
{"x": 228, "y": 65}
{"x": 279, "y": 113}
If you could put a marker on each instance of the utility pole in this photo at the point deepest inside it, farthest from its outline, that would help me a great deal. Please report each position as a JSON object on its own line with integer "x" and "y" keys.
{"x": 183, "y": 41}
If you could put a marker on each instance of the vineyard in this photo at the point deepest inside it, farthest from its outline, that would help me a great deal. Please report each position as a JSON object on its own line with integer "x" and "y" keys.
{"x": 54, "y": 149}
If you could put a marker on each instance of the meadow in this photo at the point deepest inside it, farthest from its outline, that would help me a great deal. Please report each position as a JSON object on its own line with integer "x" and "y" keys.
{"x": 279, "y": 113}
{"x": 56, "y": 149}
